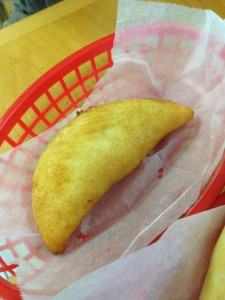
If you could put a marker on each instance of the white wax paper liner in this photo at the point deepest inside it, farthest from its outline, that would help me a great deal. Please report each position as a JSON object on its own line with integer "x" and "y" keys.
{"x": 173, "y": 268}
{"x": 155, "y": 54}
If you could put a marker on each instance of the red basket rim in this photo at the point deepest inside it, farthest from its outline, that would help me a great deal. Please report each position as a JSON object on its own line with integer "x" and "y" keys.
{"x": 10, "y": 290}
{"x": 50, "y": 78}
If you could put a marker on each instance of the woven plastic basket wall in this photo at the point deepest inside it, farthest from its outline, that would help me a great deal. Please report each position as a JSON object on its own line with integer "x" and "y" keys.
{"x": 51, "y": 98}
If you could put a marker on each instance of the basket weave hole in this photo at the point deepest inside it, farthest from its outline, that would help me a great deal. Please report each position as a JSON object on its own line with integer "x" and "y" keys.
{"x": 36, "y": 262}
{"x": 5, "y": 275}
{"x": 40, "y": 127}
{"x": 102, "y": 73}
{"x": 56, "y": 90}
{"x": 64, "y": 103}
{"x": 152, "y": 41}
{"x": 16, "y": 133}
{"x": 90, "y": 83}
{"x": 151, "y": 57}
{"x": 85, "y": 68}
{"x": 5, "y": 147}
{"x": 77, "y": 93}
{"x": 29, "y": 117}
{"x": 7, "y": 256}
{"x": 42, "y": 102}
{"x": 21, "y": 250}
{"x": 19, "y": 157}
{"x": 170, "y": 41}
{"x": 70, "y": 78}
{"x": 51, "y": 115}
{"x": 101, "y": 60}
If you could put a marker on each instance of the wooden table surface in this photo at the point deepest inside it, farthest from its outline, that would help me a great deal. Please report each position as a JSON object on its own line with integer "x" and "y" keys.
{"x": 31, "y": 46}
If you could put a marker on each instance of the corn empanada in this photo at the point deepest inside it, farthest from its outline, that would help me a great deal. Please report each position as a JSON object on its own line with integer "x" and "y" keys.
{"x": 90, "y": 154}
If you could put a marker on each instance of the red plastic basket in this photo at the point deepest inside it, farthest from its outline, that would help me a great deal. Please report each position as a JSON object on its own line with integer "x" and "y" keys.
{"x": 51, "y": 98}
{"x": 67, "y": 80}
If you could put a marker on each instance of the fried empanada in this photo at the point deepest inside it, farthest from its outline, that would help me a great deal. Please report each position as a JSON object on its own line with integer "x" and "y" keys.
{"x": 90, "y": 154}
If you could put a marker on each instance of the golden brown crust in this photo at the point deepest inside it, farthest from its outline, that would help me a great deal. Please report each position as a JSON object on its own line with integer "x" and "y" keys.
{"x": 92, "y": 153}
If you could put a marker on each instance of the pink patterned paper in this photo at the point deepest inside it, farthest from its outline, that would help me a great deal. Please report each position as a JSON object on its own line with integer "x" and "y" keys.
{"x": 158, "y": 55}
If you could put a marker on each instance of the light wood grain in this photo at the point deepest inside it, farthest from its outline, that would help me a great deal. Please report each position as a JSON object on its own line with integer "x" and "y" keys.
{"x": 25, "y": 57}
{"x": 28, "y": 56}
{"x": 33, "y": 45}
{"x": 40, "y": 19}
